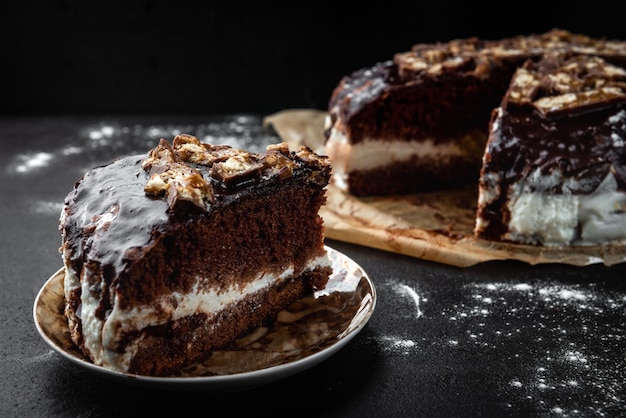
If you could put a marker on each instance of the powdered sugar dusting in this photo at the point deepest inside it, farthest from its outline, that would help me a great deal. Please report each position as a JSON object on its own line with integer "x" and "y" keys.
{"x": 562, "y": 320}
{"x": 412, "y": 294}
{"x": 546, "y": 332}
{"x": 48, "y": 208}
{"x": 28, "y": 162}
{"x": 105, "y": 141}
{"x": 410, "y": 299}
{"x": 398, "y": 345}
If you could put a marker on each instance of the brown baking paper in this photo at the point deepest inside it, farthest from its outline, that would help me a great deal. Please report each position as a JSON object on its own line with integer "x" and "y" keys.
{"x": 434, "y": 226}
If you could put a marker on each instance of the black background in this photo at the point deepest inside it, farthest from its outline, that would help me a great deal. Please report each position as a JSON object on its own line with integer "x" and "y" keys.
{"x": 207, "y": 57}
{"x": 66, "y": 65}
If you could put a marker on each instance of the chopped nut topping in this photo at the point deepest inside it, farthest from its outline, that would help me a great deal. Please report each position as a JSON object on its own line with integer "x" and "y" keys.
{"x": 276, "y": 161}
{"x": 559, "y": 83}
{"x": 307, "y": 155}
{"x": 237, "y": 169}
{"x": 583, "y": 99}
{"x": 170, "y": 177}
{"x": 437, "y": 57}
{"x": 523, "y": 87}
{"x": 190, "y": 149}
{"x": 187, "y": 171}
{"x": 191, "y": 188}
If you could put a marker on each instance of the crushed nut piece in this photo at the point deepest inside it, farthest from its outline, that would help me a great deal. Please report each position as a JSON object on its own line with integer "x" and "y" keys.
{"x": 567, "y": 83}
{"x": 187, "y": 171}
{"x": 171, "y": 177}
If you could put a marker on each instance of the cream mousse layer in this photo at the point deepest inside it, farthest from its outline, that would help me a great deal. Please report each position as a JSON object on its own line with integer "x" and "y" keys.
{"x": 101, "y": 337}
{"x": 538, "y": 217}
{"x": 371, "y": 153}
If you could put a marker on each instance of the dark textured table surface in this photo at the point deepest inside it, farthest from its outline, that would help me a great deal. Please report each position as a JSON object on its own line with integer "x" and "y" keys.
{"x": 496, "y": 339}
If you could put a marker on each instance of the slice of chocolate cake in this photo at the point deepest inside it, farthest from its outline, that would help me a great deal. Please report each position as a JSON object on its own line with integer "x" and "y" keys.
{"x": 554, "y": 169}
{"x": 173, "y": 254}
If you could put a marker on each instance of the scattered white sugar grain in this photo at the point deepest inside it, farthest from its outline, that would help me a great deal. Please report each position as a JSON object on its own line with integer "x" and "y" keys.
{"x": 50, "y": 354}
{"x": 575, "y": 357}
{"x": 107, "y": 130}
{"x": 103, "y": 142}
{"x": 412, "y": 294}
{"x": 154, "y": 131}
{"x": 404, "y": 343}
{"x": 397, "y": 344}
{"x": 563, "y": 293}
{"x": 102, "y": 132}
{"x": 48, "y": 208}
{"x": 568, "y": 368}
{"x": 29, "y": 162}
{"x": 71, "y": 150}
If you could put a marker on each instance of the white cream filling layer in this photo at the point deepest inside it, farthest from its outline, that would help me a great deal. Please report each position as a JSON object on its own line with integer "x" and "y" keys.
{"x": 564, "y": 219}
{"x": 370, "y": 154}
{"x": 100, "y": 336}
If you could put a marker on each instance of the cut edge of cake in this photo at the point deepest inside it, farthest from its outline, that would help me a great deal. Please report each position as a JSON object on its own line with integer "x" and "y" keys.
{"x": 553, "y": 171}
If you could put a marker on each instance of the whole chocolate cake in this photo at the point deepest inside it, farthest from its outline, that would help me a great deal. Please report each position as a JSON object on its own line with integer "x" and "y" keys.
{"x": 172, "y": 254}
{"x": 420, "y": 122}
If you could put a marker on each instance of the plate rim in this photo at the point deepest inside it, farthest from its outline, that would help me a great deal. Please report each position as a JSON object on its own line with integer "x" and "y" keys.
{"x": 232, "y": 381}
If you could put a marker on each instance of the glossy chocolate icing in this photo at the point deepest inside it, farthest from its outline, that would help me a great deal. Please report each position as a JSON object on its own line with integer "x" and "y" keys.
{"x": 582, "y": 137}
{"x": 565, "y": 116}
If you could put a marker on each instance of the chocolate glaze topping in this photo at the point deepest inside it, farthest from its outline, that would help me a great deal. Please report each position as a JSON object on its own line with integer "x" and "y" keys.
{"x": 564, "y": 115}
{"x": 589, "y": 95}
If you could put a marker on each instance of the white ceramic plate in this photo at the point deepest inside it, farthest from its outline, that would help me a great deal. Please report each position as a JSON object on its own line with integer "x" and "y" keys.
{"x": 341, "y": 310}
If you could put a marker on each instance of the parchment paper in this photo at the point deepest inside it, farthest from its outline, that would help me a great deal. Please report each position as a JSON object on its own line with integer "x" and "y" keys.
{"x": 432, "y": 226}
